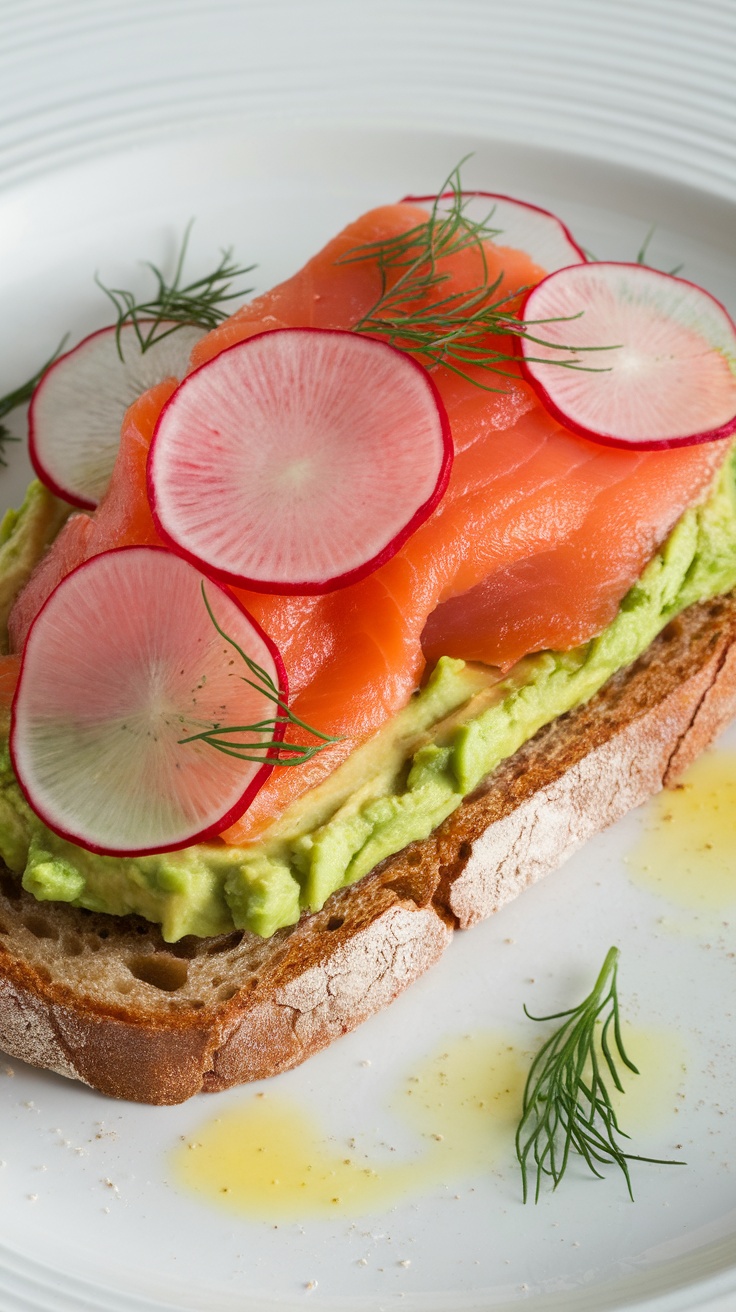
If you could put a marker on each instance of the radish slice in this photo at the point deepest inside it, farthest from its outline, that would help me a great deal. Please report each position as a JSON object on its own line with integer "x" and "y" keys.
{"x": 667, "y": 374}
{"x": 77, "y": 409}
{"x": 121, "y": 663}
{"x": 542, "y": 236}
{"x": 300, "y": 460}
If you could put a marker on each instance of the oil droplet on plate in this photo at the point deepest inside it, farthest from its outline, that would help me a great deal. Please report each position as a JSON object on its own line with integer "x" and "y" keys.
{"x": 688, "y": 851}
{"x": 269, "y": 1158}
{"x": 650, "y": 1097}
{"x": 466, "y": 1096}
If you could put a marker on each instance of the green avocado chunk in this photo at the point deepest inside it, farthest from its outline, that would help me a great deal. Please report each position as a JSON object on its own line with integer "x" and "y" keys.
{"x": 392, "y": 791}
{"x": 24, "y": 536}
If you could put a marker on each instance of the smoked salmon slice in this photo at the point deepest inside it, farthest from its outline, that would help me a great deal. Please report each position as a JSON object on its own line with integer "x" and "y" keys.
{"x": 537, "y": 539}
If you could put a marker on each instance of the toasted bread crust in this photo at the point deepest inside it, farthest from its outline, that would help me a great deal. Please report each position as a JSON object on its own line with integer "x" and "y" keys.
{"x": 296, "y": 993}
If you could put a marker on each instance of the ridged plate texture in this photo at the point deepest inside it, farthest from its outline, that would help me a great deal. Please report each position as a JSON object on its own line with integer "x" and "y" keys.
{"x": 642, "y": 82}
{"x": 273, "y": 122}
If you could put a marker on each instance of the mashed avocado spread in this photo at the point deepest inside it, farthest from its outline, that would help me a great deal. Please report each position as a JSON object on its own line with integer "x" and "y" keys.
{"x": 392, "y": 791}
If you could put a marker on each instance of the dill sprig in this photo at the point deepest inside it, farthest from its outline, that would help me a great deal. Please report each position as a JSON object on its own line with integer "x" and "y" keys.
{"x": 457, "y": 329}
{"x": 642, "y": 255}
{"x": 175, "y": 305}
{"x": 567, "y": 1104}
{"x": 224, "y": 738}
{"x": 643, "y": 251}
{"x": 196, "y": 304}
{"x": 21, "y": 396}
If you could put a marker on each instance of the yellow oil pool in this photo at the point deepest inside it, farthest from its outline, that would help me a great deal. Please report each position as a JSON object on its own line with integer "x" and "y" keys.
{"x": 652, "y": 1098}
{"x": 269, "y": 1158}
{"x": 688, "y": 851}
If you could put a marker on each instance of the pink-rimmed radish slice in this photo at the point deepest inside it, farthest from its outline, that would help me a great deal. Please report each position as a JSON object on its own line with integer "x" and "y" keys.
{"x": 121, "y": 663}
{"x": 300, "y": 460}
{"x": 77, "y": 409}
{"x": 524, "y": 227}
{"x": 655, "y": 364}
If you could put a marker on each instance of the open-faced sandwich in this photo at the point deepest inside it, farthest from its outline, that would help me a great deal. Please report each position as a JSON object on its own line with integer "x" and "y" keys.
{"x": 421, "y": 576}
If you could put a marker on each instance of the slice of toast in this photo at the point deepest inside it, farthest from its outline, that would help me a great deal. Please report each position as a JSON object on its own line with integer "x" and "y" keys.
{"x": 105, "y": 1000}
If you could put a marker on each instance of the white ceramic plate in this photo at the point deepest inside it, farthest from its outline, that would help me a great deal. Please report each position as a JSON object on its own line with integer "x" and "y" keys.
{"x": 89, "y": 1215}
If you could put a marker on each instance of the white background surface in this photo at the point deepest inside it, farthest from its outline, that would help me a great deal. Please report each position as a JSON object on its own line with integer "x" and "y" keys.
{"x": 274, "y": 124}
